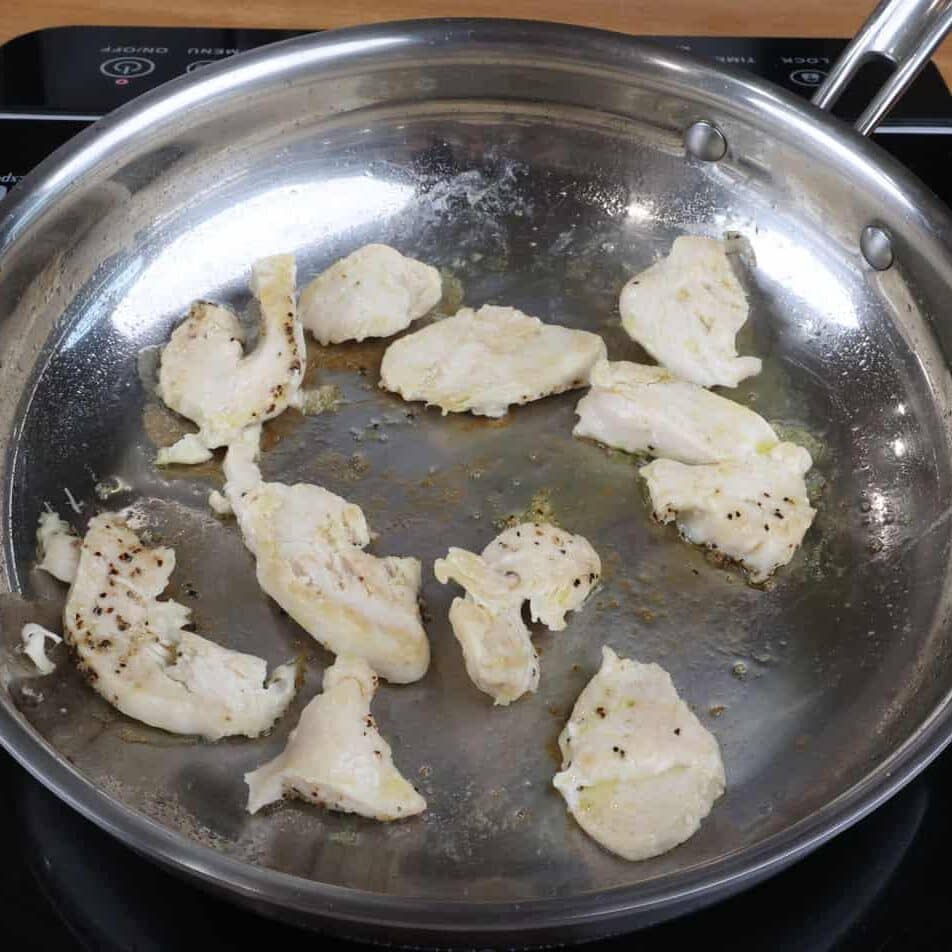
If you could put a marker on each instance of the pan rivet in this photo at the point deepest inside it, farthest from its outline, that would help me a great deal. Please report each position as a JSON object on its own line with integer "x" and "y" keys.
{"x": 705, "y": 141}
{"x": 876, "y": 245}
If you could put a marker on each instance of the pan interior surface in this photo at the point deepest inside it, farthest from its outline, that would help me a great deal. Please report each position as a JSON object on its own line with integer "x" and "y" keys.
{"x": 546, "y": 192}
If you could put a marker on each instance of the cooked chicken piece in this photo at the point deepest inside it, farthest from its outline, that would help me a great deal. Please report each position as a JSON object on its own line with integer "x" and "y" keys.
{"x": 186, "y": 451}
{"x": 497, "y": 649}
{"x": 138, "y": 655}
{"x": 643, "y": 409}
{"x": 484, "y": 361}
{"x": 34, "y": 638}
{"x": 754, "y": 511}
{"x": 57, "y": 547}
{"x": 552, "y": 569}
{"x": 373, "y": 292}
{"x": 335, "y": 757}
{"x": 686, "y": 310}
{"x": 309, "y": 544}
{"x": 206, "y": 376}
{"x": 639, "y": 771}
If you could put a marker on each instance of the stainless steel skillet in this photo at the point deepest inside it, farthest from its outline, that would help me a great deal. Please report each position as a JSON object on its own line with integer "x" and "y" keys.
{"x": 539, "y": 165}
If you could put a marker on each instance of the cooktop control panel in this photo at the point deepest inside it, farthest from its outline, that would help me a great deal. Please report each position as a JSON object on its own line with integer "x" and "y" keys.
{"x": 55, "y": 82}
{"x": 91, "y": 70}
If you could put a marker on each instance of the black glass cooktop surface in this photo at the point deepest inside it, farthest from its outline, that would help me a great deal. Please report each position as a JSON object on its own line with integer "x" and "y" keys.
{"x": 65, "y": 885}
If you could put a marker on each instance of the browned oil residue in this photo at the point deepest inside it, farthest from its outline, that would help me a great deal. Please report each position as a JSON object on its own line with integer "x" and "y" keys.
{"x": 162, "y": 426}
{"x": 646, "y": 615}
{"x": 540, "y": 509}
{"x": 209, "y": 470}
{"x": 441, "y": 487}
{"x": 553, "y": 751}
{"x": 15, "y": 612}
{"x": 453, "y": 293}
{"x": 134, "y": 735}
{"x": 378, "y": 503}
{"x": 611, "y": 563}
{"x": 347, "y": 469}
{"x": 363, "y": 358}
{"x": 470, "y": 422}
{"x": 435, "y": 493}
{"x": 274, "y": 431}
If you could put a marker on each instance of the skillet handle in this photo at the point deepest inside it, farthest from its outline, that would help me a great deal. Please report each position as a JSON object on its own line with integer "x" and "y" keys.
{"x": 906, "y": 32}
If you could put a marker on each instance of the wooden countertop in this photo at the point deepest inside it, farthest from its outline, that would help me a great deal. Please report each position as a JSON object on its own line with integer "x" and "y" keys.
{"x": 713, "y": 17}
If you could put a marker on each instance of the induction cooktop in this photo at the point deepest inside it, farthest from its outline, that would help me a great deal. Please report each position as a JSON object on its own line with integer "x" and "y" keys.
{"x": 65, "y": 885}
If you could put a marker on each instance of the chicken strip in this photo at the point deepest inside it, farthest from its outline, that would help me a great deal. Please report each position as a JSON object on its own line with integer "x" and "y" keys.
{"x": 373, "y": 292}
{"x": 551, "y": 569}
{"x": 686, "y": 310}
{"x": 137, "y": 653}
{"x": 642, "y": 409}
{"x": 335, "y": 757}
{"x": 754, "y": 511}
{"x": 206, "y": 376}
{"x": 497, "y": 649}
{"x": 34, "y": 638}
{"x": 309, "y": 545}
{"x": 639, "y": 771}
{"x": 57, "y": 547}
{"x": 487, "y": 360}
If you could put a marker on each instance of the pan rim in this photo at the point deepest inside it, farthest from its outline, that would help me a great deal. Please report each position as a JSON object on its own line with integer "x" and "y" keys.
{"x": 671, "y": 891}
{"x": 661, "y": 897}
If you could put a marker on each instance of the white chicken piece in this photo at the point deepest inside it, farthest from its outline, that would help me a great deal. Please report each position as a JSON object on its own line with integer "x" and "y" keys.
{"x": 137, "y": 654}
{"x": 487, "y": 360}
{"x": 686, "y": 310}
{"x": 641, "y": 409}
{"x": 34, "y": 638}
{"x": 57, "y": 547}
{"x": 335, "y": 757}
{"x": 754, "y": 511}
{"x": 639, "y": 771}
{"x": 308, "y": 544}
{"x": 551, "y": 569}
{"x": 188, "y": 450}
{"x": 497, "y": 649}
{"x": 373, "y": 292}
{"x": 206, "y": 376}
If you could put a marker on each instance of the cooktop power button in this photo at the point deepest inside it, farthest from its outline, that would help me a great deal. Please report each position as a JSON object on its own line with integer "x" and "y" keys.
{"x": 126, "y": 67}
